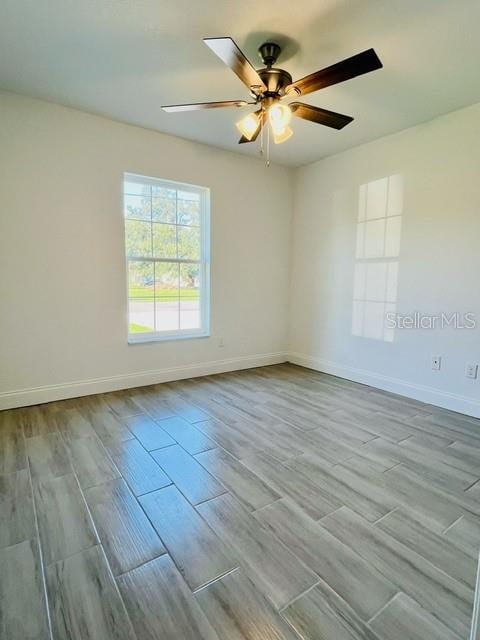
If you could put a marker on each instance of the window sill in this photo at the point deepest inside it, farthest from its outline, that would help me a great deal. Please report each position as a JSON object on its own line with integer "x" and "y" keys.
{"x": 149, "y": 337}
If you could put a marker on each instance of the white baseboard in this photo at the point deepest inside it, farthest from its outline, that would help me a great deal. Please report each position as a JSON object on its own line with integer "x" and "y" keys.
{"x": 429, "y": 395}
{"x": 49, "y": 393}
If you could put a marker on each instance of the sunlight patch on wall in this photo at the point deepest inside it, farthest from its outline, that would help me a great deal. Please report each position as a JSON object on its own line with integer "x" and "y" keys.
{"x": 380, "y": 208}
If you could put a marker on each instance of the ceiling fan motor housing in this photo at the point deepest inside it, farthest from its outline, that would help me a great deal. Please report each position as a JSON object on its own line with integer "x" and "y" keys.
{"x": 275, "y": 80}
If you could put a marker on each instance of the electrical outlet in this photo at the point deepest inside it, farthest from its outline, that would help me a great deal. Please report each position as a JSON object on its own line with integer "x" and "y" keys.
{"x": 221, "y": 344}
{"x": 436, "y": 363}
{"x": 471, "y": 370}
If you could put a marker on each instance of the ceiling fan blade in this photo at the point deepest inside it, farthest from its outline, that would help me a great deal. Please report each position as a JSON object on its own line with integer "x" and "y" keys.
{"x": 321, "y": 116}
{"x": 345, "y": 70}
{"x": 243, "y": 139}
{"x": 173, "y": 108}
{"x": 230, "y": 54}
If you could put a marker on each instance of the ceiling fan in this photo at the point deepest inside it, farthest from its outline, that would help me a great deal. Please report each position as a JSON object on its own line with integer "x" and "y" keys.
{"x": 270, "y": 86}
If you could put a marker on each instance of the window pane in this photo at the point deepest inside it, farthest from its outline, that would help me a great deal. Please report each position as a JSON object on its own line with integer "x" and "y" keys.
{"x": 163, "y": 192}
{"x": 164, "y": 240}
{"x": 140, "y": 297}
{"x": 190, "y": 296}
{"x": 189, "y": 243}
{"x": 137, "y": 207}
{"x": 188, "y": 211}
{"x": 138, "y": 238}
{"x": 166, "y": 296}
{"x": 164, "y": 210}
{"x": 136, "y": 188}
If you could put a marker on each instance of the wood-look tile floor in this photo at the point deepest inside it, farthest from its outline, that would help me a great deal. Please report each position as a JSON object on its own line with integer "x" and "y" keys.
{"x": 275, "y": 503}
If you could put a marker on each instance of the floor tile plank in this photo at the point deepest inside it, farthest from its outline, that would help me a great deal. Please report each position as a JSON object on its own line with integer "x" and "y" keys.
{"x": 239, "y": 612}
{"x": 108, "y": 426}
{"x": 190, "y": 438}
{"x": 64, "y": 524}
{"x": 128, "y": 538}
{"x": 196, "y": 550}
{"x": 196, "y": 484}
{"x": 23, "y": 614}
{"x": 465, "y": 533}
{"x": 274, "y": 569}
{"x": 84, "y": 601}
{"x": 321, "y": 614}
{"x": 351, "y": 577}
{"x": 450, "y": 601}
{"x": 12, "y": 445}
{"x": 404, "y": 527}
{"x": 251, "y": 490}
{"x": 91, "y": 461}
{"x": 37, "y": 421}
{"x": 17, "y": 522}
{"x": 364, "y": 495}
{"x": 404, "y": 619}
{"x": 137, "y": 466}
{"x": 148, "y": 432}
{"x": 48, "y": 456}
{"x": 288, "y": 482}
{"x": 161, "y": 606}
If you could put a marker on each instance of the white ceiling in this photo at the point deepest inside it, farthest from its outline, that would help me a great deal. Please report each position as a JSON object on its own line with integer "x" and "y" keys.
{"x": 125, "y": 58}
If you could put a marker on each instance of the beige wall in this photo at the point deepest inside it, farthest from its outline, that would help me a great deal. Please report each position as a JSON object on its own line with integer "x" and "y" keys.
{"x": 427, "y": 181}
{"x": 62, "y": 285}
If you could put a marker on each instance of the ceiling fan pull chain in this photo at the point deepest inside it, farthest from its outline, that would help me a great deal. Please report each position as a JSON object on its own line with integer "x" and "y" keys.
{"x": 268, "y": 147}
{"x": 262, "y": 120}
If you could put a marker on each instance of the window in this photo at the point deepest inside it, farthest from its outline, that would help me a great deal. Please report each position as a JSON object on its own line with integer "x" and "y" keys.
{"x": 167, "y": 243}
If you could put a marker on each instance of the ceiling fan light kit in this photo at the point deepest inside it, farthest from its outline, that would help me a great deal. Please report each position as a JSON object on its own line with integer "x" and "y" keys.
{"x": 269, "y": 86}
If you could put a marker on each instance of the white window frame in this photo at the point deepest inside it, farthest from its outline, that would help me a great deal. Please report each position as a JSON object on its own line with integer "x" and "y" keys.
{"x": 203, "y": 262}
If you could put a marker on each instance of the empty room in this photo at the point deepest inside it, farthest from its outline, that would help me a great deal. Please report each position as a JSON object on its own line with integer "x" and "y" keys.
{"x": 239, "y": 320}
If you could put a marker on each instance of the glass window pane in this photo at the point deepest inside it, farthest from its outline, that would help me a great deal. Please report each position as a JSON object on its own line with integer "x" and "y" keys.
{"x": 190, "y": 296}
{"x": 136, "y": 188}
{"x": 140, "y": 297}
{"x": 137, "y": 207}
{"x": 189, "y": 243}
{"x": 166, "y": 296}
{"x": 164, "y": 240}
{"x": 138, "y": 238}
{"x": 163, "y": 192}
{"x": 188, "y": 212}
{"x": 164, "y": 210}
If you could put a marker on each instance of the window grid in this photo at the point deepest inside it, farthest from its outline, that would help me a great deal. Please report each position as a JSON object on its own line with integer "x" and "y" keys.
{"x": 191, "y": 320}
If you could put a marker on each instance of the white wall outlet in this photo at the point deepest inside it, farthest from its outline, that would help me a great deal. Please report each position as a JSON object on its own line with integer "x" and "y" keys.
{"x": 436, "y": 363}
{"x": 471, "y": 370}
{"x": 221, "y": 343}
